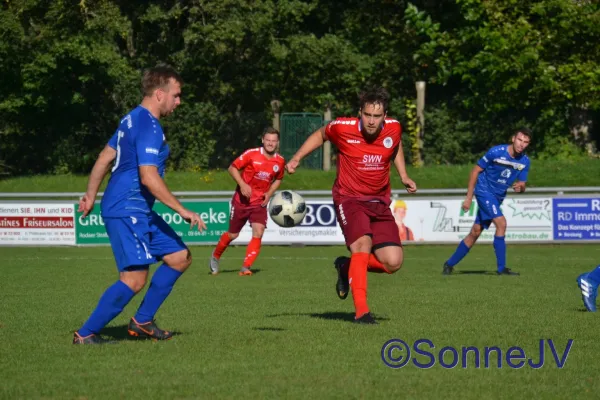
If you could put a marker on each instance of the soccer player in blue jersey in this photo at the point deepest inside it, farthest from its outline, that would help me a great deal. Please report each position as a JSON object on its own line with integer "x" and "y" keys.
{"x": 138, "y": 235}
{"x": 501, "y": 167}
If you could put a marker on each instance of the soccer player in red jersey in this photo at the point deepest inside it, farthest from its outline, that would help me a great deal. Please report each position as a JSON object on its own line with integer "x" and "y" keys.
{"x": 262, "y": 174}
{"x": 362, "y": 193}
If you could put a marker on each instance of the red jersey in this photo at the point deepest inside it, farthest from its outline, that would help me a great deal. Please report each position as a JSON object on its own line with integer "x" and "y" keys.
{"x": 363, "y": 168}
{"x": 259, "y": 172}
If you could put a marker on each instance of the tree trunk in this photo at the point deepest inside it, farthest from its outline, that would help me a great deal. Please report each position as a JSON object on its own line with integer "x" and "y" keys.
{"x": 581, "y": 129}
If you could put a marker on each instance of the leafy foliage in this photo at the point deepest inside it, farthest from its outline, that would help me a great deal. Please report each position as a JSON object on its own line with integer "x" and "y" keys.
{"x": 70, "y": 69}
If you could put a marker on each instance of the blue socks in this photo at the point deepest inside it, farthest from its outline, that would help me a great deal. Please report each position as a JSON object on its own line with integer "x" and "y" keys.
{"x": 459, "y": 254}
{"x": 500, "y": 249}
{"x": 112, "y": 302}
{"x": 595, "y": 274}
{"x": 162, "y": 283}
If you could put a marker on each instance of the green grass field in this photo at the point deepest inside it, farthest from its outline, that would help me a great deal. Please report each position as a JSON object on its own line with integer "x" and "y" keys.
{"x": 283, "y": 333}
{"x": 544, "y": 173}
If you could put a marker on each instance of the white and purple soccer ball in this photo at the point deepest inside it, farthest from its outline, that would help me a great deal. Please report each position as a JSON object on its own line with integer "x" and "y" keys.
{"x": 287, "y": 208}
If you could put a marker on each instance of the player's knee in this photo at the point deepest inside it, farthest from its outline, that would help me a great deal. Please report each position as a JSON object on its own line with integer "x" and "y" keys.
{"x": 393, "y": 266}
{"x": 476, "y": 231}
{"x": 258, "y": 233}
{"x": 362, "y": 245}
{"x": 134, "y": 283}
{"x": 233, "y": 236}
{"x": 500, "y": 226}
{"x": 180, "y": 260}
{"x": 394, "y": 262}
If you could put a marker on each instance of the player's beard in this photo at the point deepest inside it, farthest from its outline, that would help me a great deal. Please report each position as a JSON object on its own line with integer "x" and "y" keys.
{"x": 270, "y": 152}
{"x": 372, "y": 136}
{"x": 516, "y": 152}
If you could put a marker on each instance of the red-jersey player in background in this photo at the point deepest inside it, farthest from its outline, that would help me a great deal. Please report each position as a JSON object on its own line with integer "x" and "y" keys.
{"x": 362, "y": 193}
{"x": 262, "y": 174}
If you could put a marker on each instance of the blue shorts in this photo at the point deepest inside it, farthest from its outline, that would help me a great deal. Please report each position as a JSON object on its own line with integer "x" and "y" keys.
{"x": 141, "y": 241}
{"x": 488, "y": 209}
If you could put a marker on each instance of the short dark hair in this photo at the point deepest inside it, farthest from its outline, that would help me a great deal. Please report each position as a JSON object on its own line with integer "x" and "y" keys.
{"x": 374, "y": 95}
{"x": 158, "y": 77}
{"x": 524, "y": 131}
{"x": 270, "y": 129}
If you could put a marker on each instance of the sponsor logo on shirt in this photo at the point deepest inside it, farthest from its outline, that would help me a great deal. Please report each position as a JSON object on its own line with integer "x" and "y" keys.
{"x": 336, "y": 122}
{"x": 151, "y": 150}
{"x": 503, "y": 161}
{"x": 353, "y": 141}
{"x": 263, "y": 176}
{"x": 370, "y": 158}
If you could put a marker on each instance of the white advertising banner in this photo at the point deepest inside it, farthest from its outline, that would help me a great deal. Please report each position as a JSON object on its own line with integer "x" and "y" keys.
{"x": 37, "y": 224}
{"x": 318, "y": 227}
{"x": 420, "y": 220}
{"x": 442, "y": 220}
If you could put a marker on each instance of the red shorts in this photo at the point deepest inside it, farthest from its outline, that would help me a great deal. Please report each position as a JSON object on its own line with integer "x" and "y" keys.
{"x": 240, "y": 214}
{"x": 359, "y": 218}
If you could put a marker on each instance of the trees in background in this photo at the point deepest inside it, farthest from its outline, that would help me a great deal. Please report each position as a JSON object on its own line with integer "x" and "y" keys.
{"x": 70, "y": 69}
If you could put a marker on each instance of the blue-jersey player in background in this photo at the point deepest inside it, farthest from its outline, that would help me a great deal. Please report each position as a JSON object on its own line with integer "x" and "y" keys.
{"x": 501, "y": 167}
{"x": 138, "y": 236}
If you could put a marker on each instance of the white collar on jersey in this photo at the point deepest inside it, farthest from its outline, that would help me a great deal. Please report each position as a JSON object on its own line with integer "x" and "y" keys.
{"x": 360, "y": 124}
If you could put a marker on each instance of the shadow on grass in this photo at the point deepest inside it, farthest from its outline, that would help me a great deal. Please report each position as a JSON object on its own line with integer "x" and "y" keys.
{"x": 120, "y": 333}
{"x": 480, "y": 272}
{"x": 231, "y": 271}
{"x": 268, "y": 329}
{"x": 330, "y": 315}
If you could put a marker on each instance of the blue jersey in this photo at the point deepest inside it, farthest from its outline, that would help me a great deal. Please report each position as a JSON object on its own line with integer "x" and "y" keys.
{"x": 139, "y": 140}
{"x": 500, "y": 171}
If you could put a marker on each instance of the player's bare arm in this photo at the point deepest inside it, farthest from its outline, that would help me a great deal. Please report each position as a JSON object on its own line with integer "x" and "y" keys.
{"x": 152, "y": 180}
{"x": 101, "y": 167}
{"x": 272, "y": 189}
{"x": 312, "y": 143}
{"x": 519, "y": 187}
{"x": 466, "y": 206}
{"x": 237, "y": 177}
{"x": 400, "y": 164}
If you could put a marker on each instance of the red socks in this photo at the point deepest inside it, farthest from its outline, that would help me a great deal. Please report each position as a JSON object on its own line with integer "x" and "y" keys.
{"x": 222, "y": 245}
{"x": 357, "y": 275}
{"x": 376, "y": 266}
{"x": 252, "y": 251}
{"x": 360, "y": 263}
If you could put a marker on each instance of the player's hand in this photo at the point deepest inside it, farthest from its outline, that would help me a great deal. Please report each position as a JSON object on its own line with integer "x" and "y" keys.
{"x": 246, "y": 190}
{"x": 466, "y": 205}
{"x": 409, "y": 184}
{"x": 519, "y": 187}
{"x": 193, "y": 219}
{"x": 291, "y": 166}
{"x": 86, "y": 204}
{"x": 265, "y": 202}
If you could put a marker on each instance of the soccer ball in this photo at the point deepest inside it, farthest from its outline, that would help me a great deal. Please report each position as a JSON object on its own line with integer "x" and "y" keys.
{"x": 287, "y": 208}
